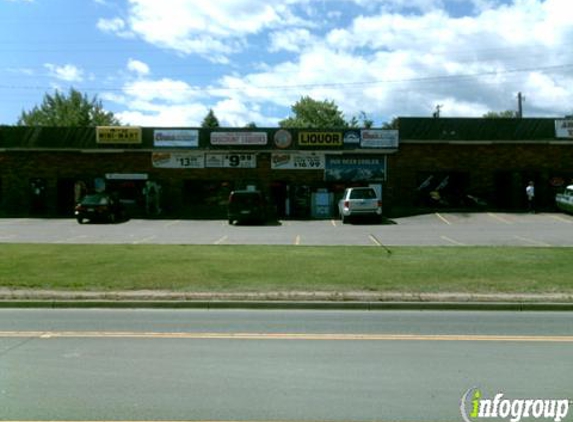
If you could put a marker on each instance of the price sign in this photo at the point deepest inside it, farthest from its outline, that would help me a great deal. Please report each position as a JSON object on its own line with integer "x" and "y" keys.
{"x": 297, "y": 161}
{"x": 231, "y": 160}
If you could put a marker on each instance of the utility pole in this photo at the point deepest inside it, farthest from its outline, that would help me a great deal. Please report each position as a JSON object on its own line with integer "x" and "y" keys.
{"x": 520, "y": 100}
{"x": 437, "y": 112}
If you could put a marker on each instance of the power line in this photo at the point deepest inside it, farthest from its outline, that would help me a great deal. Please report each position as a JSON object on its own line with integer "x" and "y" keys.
{"x": 426, "y": 79}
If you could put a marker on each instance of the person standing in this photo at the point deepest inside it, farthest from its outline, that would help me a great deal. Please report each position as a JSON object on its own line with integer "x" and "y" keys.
{"x": 530, "y": 192}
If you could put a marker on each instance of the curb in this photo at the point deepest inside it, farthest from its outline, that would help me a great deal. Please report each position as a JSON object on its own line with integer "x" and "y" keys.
{"x": 287, "y": 305}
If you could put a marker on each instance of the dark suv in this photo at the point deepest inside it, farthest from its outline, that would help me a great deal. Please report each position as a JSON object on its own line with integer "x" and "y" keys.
{"x": 99, "y": 207}
{"x": 246, "y": 206}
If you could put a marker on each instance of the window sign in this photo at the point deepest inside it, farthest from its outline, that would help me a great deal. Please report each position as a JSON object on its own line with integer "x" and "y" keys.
{"x": 297, "y": 161}
{"x": 355, "y": 168}
{"x": 178, "y": 160}
{"x": 564, "y": 128}
{"x": 231, "y": 160}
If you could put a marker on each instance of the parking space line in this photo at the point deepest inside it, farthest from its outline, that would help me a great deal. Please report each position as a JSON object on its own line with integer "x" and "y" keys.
{"x": 221, "y": 240}
{"x": 297, "y": 240}
{"x": 444, "y": 219}
{"x": 531, "y": 241}
{"x": 333, "y": 222}
{"x": 499, "y": 218}
{"x": 562, "y": 219}
{"x": 147, "y": 239}
{"x": 455, "y": 242}
{"x": 72, "y": 239}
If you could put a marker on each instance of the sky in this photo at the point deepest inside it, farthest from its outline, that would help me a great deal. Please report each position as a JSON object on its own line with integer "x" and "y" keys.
{"x": 167, "y": 62}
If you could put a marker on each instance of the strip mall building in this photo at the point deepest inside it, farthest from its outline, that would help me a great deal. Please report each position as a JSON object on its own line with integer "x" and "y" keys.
{"x": 426, "y": 164}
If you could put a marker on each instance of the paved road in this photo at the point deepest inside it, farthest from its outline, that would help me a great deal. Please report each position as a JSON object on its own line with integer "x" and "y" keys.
{"x": 545, "y": 229}
{"x": 274, "y": 365}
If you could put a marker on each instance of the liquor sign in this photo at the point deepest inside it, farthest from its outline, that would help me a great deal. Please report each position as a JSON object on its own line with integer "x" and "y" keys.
{"x": 239, "y": 138}
{"x": 178, "y": 160}
{"x": 564, "y": 128}
{"x": 355, "y": 168}
{"x": 231, "y": 160}
{"x": 379, "y": 139}
{"x": 118, "y": 135}
{"x": 320, "y": 139}
{"x": 297, "y": 161}
{"x": 182, "y": 138}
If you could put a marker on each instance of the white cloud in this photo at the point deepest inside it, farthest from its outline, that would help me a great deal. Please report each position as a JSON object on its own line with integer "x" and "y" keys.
{"x": 212, "y": 29}
{"x": 384, "y": 61}
{"x": 68, "y": 72}
{"x": 138, "y": 67}
{"x": 116, "y": 26}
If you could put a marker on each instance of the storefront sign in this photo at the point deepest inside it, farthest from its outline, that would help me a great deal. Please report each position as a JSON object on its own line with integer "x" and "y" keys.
{"x": 320, "y": 139}
{"x": 355, "y": 168}
{"x": 238, "y": 160}
{"x": 352, "y": 137}
{"x": 564, "y": 128}
{"x": 283, "y": 139}
{"x": 239, "y": 138}
{"x": 178, "y": 160}
{"x": 176, "y": 138}
{"x": 297, "y": 161}
{"x": 379, "y": 139}
{"x": 118, "y": 135}
{"x": 126, "y": 176}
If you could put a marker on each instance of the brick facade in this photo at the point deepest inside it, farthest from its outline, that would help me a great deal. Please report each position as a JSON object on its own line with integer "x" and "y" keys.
{"x": 432, "y": 168}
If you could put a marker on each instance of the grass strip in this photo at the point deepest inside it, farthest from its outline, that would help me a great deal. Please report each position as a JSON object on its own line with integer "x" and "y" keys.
{"x": 191, "y": 268}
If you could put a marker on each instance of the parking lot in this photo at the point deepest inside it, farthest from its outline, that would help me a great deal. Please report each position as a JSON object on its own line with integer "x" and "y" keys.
{"x": 436, "y": 229}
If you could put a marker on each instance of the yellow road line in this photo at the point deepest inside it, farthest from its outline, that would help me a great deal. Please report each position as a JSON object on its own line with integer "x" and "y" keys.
{"x": 444, "y": 219}
{"x": 281, "y": 336}
{"x": 562, "y": 219}
{"x": 499, "y": 218}
{"x": 449, "y": 239}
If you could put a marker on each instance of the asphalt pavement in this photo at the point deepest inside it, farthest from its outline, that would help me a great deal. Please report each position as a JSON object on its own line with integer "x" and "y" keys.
{"x": 275, "y": 365}
{"x": 436, "y": 229}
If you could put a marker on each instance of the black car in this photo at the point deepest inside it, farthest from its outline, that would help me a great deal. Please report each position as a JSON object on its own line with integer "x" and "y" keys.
{"x": 99, "y": 207}
{"x": 246, "y": 206}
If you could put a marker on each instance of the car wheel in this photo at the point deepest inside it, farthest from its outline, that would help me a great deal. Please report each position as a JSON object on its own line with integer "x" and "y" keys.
{"x": 344, "y": 219}
{"x": 230, "y": 221}
{"x": 80, "y": 220}
{"x": 112, "y": 218}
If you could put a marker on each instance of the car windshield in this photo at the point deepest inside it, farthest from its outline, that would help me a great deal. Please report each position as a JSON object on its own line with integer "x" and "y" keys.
{"x": 246, "y": 197}
{"x": 362, "y": 194}
{"x": 95, "y": 200}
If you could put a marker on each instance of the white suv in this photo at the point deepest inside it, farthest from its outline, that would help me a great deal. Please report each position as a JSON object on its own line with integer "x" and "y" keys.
{"x": 359, "y": 202}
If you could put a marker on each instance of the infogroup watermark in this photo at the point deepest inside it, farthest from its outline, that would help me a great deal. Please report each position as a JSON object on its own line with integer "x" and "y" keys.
{"x": 475, "y": 406}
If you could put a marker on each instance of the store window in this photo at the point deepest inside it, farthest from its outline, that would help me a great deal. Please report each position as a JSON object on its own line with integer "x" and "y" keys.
{"x": 442, "y": 188}
{"x": 207, "y": 198}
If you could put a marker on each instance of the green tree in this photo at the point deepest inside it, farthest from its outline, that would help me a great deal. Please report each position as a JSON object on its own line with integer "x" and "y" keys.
{"x": 507, "y": 114}
{"x": 394, "y": 124}
{"x": 74, "y": 109}
{"x": 309, "y": 113}
{"x": 210, "y": 120}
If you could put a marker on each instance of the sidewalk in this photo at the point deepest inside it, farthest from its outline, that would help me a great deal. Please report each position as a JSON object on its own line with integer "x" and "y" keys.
{"x": 281, "y": 300}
